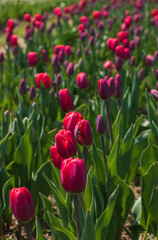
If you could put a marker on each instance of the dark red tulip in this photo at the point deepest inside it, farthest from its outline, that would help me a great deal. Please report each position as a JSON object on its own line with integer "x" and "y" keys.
{"x": 65, "y": 100}
{"x": 83, "y": 133}
{"x": 32, "y": 59}
{"x": 103, "y": 89}
{"x": 71, "y": 119}
{"x": 56, "y": 158}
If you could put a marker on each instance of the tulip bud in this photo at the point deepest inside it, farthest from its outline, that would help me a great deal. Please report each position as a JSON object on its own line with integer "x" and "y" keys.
{"x": 68, "y": 50}
{"x": 156, "y": 85}
{"x": 56, "y": 158}
{"x": 83, "y": 133}
{"x": 32, "y": 93}
{"x": 103, "y": 89}
{"x": 141, "y": 74}
{"x": 132, "y": 45}
{"x": 65, "y": 100}
{"x": 54, "y": 60}
{"x": 73, "y": 175}
{"x": 82, "y": 80}
{"x": 22, "y": 87}
{"x": 13, "y": 40}
{"x": 100, "y": 125}
{"x": 58, "y": 79}
{"x": 78, "y": 52}
{"x": 132, "y": 61}
{"x": 91, "y": 31}
{"x": 156, "y": 56}
{"x": 111, "y": 85}
{"x": 86, "y": 50}
{"x": 70, "y": 120}
{"x": 61, "y": 56}
{"x": 70, "y": 69}
{"x": 32, "y": 59}
{"x": 149, "y": 60}
{"x": 118, "y": 89}
{"x": 156, "y": 74}
{"x": 118, "y": 64}
{"x": 154, "y": 93}
{"x": 1, "y": 57}
{"x": 44, "y": 56}
{"x": 91, "y": 41}
{"x": 22, "y": 204}
{"x": 65, "y": 143}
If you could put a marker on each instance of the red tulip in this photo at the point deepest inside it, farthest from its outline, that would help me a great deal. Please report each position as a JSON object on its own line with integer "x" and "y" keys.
{"x": 10, "y": 24}
{"x": 103, "y": 89}
{"x": 32, "y": 59}
{"x": 96, "y": 14}
{"x": 149, "y": 60}
{"x": 122, "y": 35}
{"x": 68, "y": 50}
{"x": 13, "y": 40}
{"x": 38, "y": 17}
{"x": 73, "y": 175}
{"x": 57, "y": 11}
{"x": 56, "y": 158}
{"x": 65, "y": 100}
{"x": 82, "y": 80}
{"x": 22, "y": 204}
{"x": 27, "y": 17}
{"x": 100, "y": 125}
{"x": 71, "y": 119}
{"x": 65, "y": 143}
{"x": 83, "y": 133}
{"x": 44, "y": 78}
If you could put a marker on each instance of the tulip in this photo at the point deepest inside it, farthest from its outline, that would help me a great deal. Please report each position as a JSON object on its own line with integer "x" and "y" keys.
{"x": 1, "y": 57}
{"x": 65, "y": 100}
{"x": 132, "y": 61}
{"x": 118, "y": 63}
{"x": 13, "y": 40}
{"x": 154, "y": 93}
{"x": 22, "y": 204}
{"x": 70, "y": 120}
{"x": 156, "y": 74}
{"x": 65, "y": 143}
{"x": 22, "y": 87}
{"x": 149, "y": 60}
{"x": 156, "y": 56}
{"x": 73, "y": 175}
{"x": 82, "y": 80}
{"x": 68, "y": 50}
{"x": 55, "y": 60}
{"x": 61, "y": 56}
{"x": 32, "y": 93}
{"x": 83, "y": 133}
{"x": 56, "y": 158}
{"x": 27, "y": 17}
{"x": 10, "y": 24}
{"x": 32, "y": 59}
{"x": 44, "y": 56}
{"x": 122, "y": 35}
{"x": 141, "y": 74}
{"x": 38, "y": 17}
{"x": 58, "y": 79}
{"x": 111, "y": 85}
{"x": 44, "y": 78}
{"x": 103, "y": 89}
{"x": 100, "y": 125}
{"x": 96, "y": 14}
{"x": 70, "y": 69}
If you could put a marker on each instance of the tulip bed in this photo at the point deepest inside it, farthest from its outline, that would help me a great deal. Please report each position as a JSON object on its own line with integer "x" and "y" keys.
{"x": 79, "y": 123}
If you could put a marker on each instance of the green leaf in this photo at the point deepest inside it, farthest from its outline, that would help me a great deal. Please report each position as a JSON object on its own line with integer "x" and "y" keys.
{"x": 59, "y": 201}
{"x": 3, "y": 145}
{"x": 137, "y": 208}
{"x": 150, "y": 198}
{"x": 102, "y": 224}
{"x": 62, "y": 232}
{"x": 148, "y": 157}
{"x": 88, "y": 193}
{"x": 23, "y": 157}
{"x": 88, "y": 230}
{"x": 39, "y": 233}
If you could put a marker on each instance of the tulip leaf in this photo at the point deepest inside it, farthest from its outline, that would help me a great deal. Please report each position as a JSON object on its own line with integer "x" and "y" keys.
{"x": 88, "y": 230}
{"x": 59, "y": 201}
{"x": 62, "y": 232}
{"x": 23, "y": 157}
{"x": 20, "y": 124}
{"x": 150, "y": 198}
{"x": 39, "y": 233}
{"x": 88, "y": 194}
{"x": 47, "y": 205}
{"x": 102, "y": 224}
{"x": 5, "y": 121}
{"x": 3, "y": 146}
{"x": 148, "y": 157}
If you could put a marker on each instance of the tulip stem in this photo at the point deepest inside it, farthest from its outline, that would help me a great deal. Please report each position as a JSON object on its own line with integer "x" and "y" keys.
{"x": 28, "y": 231}
{"x": 85, "y": 155}
{"x": 83, "y": 204}
{"x": 86, "y": 97}
{"x": 109, "y": 121}
{"x": 77, "y": 217}
{"x": 104, "y": 155}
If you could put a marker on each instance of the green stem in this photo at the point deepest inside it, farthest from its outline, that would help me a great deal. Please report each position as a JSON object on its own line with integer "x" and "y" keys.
{"x": 109, "y": 121}
{"x": 147, "y": 226}
{"x": 104, "y": 155}
{"x": 85, "y": 150}
{"x": 86, "y": 97}
{"x": 77, "y": 217}
{"x": 28, "y": 231}
{"x": 83, "y": 204}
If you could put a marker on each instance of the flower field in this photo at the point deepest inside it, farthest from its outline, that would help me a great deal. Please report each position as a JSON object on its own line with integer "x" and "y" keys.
{"x": 79, "y": 123}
